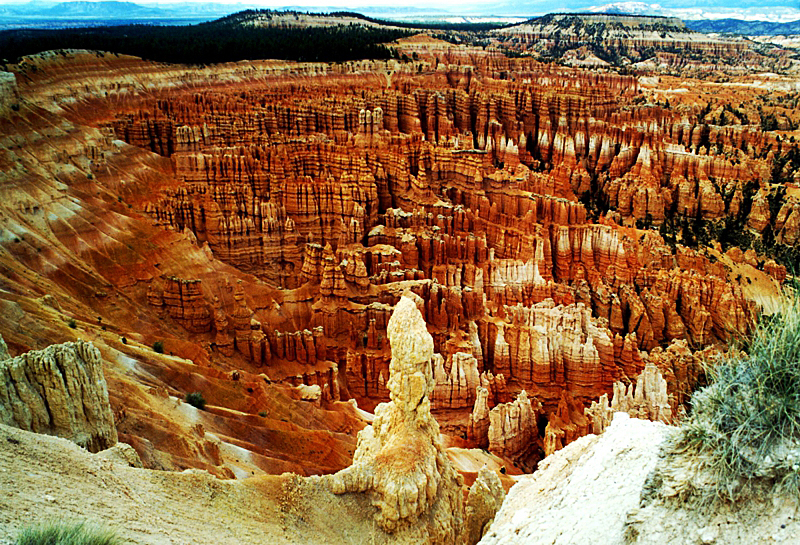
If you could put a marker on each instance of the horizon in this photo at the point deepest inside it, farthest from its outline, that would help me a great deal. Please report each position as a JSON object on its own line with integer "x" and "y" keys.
{"x": 747, "y": 10}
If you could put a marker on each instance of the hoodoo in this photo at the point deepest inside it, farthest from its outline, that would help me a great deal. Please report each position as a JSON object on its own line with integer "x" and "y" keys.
{"x": 58, "y": 391}
{"x": 400, "y": 461}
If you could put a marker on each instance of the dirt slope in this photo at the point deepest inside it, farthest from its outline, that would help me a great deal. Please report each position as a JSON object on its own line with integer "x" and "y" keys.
{"x": 43, "y": 477}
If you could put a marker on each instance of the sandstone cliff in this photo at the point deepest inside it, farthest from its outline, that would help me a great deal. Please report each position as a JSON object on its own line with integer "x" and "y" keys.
{"x": 59, "y": 391}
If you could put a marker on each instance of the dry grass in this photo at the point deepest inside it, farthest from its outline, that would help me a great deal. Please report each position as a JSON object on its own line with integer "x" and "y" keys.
{"x": 744, "y": 428}
{"x": 58, "y": 533}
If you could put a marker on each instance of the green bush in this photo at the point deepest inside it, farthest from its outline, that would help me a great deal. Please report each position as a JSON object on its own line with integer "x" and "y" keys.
{"x": 195, "y": 399}
{"x": 72, "y": 323}
{"x": 744, "y": 428}
{"x": 58, "y": 533}
{"x": 158, "y": 346}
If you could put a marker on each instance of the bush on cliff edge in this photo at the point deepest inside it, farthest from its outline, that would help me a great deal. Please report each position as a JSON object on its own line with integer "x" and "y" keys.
{"x": 744, "y": 428}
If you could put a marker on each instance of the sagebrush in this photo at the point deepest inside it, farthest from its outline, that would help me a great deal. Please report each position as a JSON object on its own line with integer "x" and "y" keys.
{"x": 196, "y": 399}
{"x": 744, "y": 428}
{"x": 60, "y": 533}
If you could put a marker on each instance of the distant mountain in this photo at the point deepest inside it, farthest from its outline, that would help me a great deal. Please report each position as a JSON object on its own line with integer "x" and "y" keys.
{"x": 109, "y": 9}
{"x": 708, "y": 10}
{"x": 192, "y": 9}
{"x": 368, "y": 10}
{"x": 600, "y": 39}
{"x": 745, "y": 28}
{"x": 629, "y": 8}
{"x": 576, "y": 23}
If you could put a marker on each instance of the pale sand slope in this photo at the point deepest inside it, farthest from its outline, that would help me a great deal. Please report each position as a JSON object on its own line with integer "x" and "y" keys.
{"x": 44, "y": 477}
{"x": 590, "y": 493}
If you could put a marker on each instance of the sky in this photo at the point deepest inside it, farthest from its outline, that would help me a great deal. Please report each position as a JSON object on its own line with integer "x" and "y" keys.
{"x": 773, "y": 10}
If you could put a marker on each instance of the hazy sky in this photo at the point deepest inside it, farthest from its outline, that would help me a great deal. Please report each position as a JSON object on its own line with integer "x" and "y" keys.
{"x": 775, "y": 10}
{"x": 547, "y": 5}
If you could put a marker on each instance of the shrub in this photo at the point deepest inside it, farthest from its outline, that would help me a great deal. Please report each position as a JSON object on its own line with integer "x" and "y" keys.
{"x": 158, "y": 346}
{"x": 196, "y": 399}
{"x": 72, "y": 323}
{"x": 262, "y": 414}
{"x": 744, "y": 428}
{"x": 59, "y": 533}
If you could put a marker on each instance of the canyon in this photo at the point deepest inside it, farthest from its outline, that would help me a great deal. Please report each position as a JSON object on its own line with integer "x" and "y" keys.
{"x": 555, "y": 236}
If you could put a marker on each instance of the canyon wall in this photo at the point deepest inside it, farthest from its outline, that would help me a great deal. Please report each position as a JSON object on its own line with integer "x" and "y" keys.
{"x": 561, "y": 227}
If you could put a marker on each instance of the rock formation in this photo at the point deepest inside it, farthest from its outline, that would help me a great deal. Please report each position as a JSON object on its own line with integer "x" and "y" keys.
{"x": 513, "y": 428}
{"x": 9, "y": 94}
{"x": 565, "y": 425}
{"x": 263, "y": 218}
{"x": 399, "y": 460}
{"x": 646, "y": 399}
{"x": 455, "y": 383}
{"x": 183, "y": 301}
{"x": 4, "y": 354}
{"x": 59, "y": 391}
{"x": 478, "y": 430}
{"x": 636, "y": 36}
{"x": 485, "y": 497}
{"x": 583, "y": 493}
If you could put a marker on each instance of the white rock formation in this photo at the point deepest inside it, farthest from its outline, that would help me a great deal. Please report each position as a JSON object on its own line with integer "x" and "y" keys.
{"x": 400, "y": 461}
{"x": 583, "y": 492}
{"x": 647, "y": 399}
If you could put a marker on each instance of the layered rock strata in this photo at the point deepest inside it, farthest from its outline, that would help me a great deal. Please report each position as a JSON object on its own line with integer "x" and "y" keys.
{"x": 555, "y": 221}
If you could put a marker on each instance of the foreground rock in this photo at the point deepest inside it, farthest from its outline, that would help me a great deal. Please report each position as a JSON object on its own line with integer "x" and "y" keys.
{"x": 46, "y": 478}
{"x": 582, "y": 493}
{"x": 59, "y": 391}
{"x": 485, "y": 497}
{"x": 618, "y": 488}
{"x": 400, "y": 461}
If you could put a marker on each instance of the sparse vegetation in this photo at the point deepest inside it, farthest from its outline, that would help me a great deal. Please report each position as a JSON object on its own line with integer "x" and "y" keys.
{"x": 72, "y": 324}
{"x": 158, "y": 347}
{"x": 744, "y": 428}
{"x": 59, "y": 533}
{"x": 196, "y": 400}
